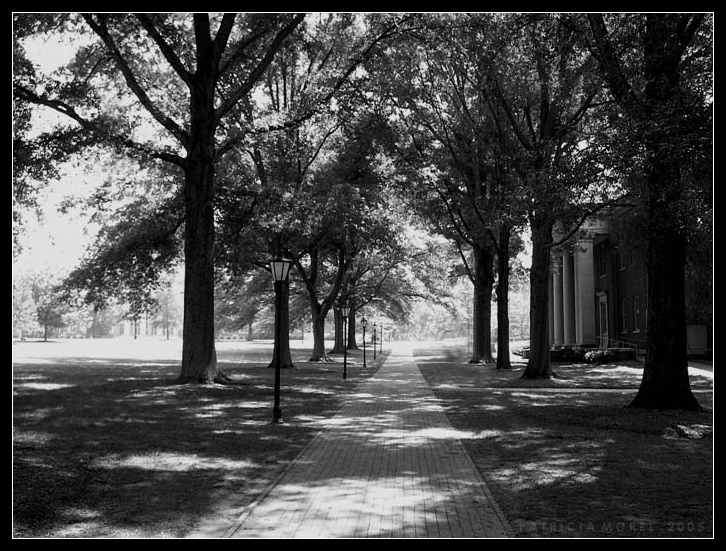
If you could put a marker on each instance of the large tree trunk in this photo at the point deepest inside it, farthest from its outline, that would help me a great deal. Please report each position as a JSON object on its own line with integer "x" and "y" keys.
{"x": 318, "y": 318}
{"x": 349, "y": 339}
{"x": 199, "y": 357}
{"x": 665, "y": 383}
{"x": 483, "y": 286}
{"x": 538, "y": 364}
{"x": 281, "y": 347}
{"x": 502, "y": 291}
{"x": 352, "y": 344}
{"x": 338, "y": 327}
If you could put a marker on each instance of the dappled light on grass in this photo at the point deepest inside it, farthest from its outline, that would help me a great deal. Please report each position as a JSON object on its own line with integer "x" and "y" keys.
{"x": 42, "y": 386}
{"x": 569, "y": 459}
{"x": 116, "y": 437}
{"x": 171, "y": 462}
{"x": 555, "y": 470}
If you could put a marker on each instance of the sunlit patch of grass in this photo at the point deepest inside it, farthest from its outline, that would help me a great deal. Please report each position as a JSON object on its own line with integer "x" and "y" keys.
{"x": 170, "y": 462}
{"x": 40, "y": 386}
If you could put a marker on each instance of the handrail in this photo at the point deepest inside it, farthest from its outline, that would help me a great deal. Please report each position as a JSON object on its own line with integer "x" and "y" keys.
{"x": 608, "y": 342}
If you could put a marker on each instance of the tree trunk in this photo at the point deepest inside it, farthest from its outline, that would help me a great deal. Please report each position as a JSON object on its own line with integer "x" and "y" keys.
{"x": 665, "y": 383}
{"x": 318, "y": 310}
{"x": 538, "y": 365}
{"x": 483, "y": 286}
{"x": 319, "y": 354}
{"x": 199, "y": 356}
{"x": 338, "y": 329}
{"x": 503, "y": 361}
{"x": 349, "y": 340}
{"x": 352, "y": 344}
{"x": 282, "y": 321}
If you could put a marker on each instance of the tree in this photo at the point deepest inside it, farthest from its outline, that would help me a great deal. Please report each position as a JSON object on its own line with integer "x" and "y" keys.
{"x": 25, "y": 314}
{"x": 431, "y": 99}
{"x": 166, "y": 62}
{"x": 36, "y": 155}
{"x": 544, "y": 83}
{"x": 139, "y": 243}
{"x": 665, "y": 95}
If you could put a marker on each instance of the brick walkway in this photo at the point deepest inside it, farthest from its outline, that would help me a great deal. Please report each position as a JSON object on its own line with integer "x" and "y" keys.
{"x": 388, "y": 465}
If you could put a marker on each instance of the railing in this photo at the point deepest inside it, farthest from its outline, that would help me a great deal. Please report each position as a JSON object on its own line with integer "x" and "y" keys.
{"x": 606, "y": 342}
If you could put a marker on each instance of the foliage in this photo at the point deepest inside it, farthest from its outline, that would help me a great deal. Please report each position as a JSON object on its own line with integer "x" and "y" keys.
{"x": 598, "y": 356}
{"x": 132, "y": 254}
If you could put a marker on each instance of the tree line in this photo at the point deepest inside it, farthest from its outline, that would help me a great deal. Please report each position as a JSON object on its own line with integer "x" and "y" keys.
{"x": 351, "y": 143}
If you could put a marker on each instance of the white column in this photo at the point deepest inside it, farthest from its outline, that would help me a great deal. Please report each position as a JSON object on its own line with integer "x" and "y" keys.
{"x": 568, "y": 299}
{"x": 557, "y": 299}
{"x": 584, "y": 293}
{"x": 551, "y": 305}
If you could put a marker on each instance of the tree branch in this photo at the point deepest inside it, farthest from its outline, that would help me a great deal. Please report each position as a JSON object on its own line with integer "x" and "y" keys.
{"x": 96, "y": 127}
{"x": 166, "y": 50}
{"x": 101, "y": 30}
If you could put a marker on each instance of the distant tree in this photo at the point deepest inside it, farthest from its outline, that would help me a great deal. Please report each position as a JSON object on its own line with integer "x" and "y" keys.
{"x": 25, "y": 314}
{"x": 49, "y": 306}
{"x": 448, "y": 116}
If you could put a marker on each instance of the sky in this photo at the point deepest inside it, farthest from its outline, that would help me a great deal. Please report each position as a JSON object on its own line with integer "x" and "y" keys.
{"x": 55, "y": 241}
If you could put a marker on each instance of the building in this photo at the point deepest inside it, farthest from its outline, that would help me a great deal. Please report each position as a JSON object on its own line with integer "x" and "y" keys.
{"x": 598, "y": 292}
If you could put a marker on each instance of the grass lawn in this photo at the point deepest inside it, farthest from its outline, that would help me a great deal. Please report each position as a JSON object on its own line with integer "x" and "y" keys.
{"x": 567, "y": 458}
{"x": 106, "y": 445}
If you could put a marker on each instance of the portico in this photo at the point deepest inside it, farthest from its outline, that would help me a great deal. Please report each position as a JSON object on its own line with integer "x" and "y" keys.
{"x": 572, "y": 292}
{"x": 572, "y": 307}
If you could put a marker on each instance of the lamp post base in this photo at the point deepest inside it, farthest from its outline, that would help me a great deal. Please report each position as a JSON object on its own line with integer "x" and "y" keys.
{"x": 277, "y": 416}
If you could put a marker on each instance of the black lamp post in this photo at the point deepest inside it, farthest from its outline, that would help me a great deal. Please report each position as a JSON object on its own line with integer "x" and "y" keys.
{"x": 345, "y": 310}
{"x": 381, "y": 345}
{"x": 374, "y": 342}
{"x": 279, "y": 267}
{"x": 364, "y": 324}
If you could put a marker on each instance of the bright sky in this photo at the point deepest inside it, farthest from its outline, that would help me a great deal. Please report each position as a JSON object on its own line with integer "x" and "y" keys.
{"x": 57, "y": 240}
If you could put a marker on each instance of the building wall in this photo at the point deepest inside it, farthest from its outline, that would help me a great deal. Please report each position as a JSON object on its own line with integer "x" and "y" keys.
{"x": 598, "y": 294}
{"x": 621, "y": 282}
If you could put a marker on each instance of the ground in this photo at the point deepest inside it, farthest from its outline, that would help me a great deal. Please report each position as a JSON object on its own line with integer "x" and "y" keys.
{"x": 105, "y": 444}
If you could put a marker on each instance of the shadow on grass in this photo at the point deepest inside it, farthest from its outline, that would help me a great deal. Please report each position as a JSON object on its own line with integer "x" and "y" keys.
{"x": 113, "y": 447}
{"x": 108, "y": 447}
{"x": 568, "y": 459}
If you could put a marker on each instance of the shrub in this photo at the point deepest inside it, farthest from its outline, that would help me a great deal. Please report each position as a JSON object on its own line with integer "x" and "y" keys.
{"x": 598, "y": 356}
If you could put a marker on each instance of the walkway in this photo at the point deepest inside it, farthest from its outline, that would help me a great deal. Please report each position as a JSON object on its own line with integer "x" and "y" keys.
{"x": 387, "y": 465}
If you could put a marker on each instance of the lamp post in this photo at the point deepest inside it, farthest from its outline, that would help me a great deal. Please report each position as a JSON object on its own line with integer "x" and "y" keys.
{"x": 279, "y": 267}
{"x": 345, "y": 310}
{"x": 380, "y": 351}
{"x": 374, "y": 342}
{"x": 363, "y": 324}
